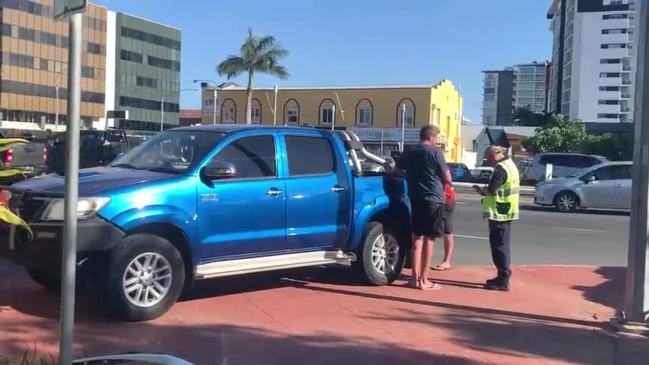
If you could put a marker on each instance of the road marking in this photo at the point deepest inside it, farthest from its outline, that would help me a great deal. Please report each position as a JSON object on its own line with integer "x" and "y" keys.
{"x": 577, "y": 229}
{"x": 461, "y": 203}
{"x": 472, "y": 237}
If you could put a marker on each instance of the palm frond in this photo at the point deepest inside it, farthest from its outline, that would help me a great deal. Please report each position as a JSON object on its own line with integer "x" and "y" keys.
{"x": 232, "y": 66}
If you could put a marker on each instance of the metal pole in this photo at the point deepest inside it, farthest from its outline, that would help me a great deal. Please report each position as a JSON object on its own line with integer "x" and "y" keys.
{"x": 71, "y": 191}
{"x": 214, "y": 107}
{"x": 333, "y": 117}
{"x": 56, "y": 117}
{"x": 275, "y": 105}
{"x": 382, "y": 142}
{"x": 162, "y": 114}
{"x": 403, "y": 127}
{"x": 637, "y": 278}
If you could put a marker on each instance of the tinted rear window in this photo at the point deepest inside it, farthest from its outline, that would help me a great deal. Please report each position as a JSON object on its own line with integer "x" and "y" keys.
{"x": 309, "y": 155}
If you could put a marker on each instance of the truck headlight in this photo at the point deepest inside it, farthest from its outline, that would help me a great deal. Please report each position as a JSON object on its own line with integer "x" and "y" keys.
{"x": 86, "y": 208}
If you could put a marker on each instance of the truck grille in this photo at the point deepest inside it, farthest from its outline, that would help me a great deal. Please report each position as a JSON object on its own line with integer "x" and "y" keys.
{"x": 26, "y": 207}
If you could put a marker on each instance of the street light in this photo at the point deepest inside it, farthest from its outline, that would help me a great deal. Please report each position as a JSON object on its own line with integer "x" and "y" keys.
{"x": 215, "y": 85}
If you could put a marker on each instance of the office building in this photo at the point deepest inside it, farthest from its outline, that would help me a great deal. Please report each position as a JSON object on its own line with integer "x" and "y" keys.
{"x": 34, "y": 47}
{"x": 143, "y": 72}
{"x": 375, "y": 113}
{"x": 523, "y": 86}
{"x": 498, "y": 96}
{"x": 594, "y": 53}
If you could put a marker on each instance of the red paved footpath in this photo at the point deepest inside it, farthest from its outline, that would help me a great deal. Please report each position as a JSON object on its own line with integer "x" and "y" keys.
{"x": 554, "y": 315}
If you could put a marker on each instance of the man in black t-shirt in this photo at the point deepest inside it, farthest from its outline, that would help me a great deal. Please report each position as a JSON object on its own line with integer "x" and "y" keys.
{"x": 424, "y": 167}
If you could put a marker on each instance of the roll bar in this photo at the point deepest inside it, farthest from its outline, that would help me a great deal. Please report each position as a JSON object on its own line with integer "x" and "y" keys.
{"x": 355, "y": 147}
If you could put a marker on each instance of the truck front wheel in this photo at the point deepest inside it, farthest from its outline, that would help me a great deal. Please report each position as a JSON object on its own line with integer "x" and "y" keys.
{"x": 380, "y": 257}
{"x": 145, "y": 277}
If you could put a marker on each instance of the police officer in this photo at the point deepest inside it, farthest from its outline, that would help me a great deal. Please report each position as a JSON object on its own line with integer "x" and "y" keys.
{"x": 500, "y": 207}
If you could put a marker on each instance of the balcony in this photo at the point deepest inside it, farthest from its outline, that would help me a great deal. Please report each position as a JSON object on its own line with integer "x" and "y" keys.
{"x": 625, "y": 110}
{"x": 626, "y": 96}
{"x": 626, "y": 82}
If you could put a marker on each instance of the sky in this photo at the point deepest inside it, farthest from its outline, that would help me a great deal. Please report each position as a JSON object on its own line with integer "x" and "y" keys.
{"x": 358, "y": 42}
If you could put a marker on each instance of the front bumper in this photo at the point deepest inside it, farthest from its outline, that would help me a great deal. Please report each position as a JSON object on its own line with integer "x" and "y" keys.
{"x": 43, "y": 252}
{"x": 543, "y": 198}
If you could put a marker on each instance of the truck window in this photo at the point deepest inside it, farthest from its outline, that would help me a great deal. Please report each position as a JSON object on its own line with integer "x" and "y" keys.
{"x": 253, "y": 157}
{"x": 309, "y": 156}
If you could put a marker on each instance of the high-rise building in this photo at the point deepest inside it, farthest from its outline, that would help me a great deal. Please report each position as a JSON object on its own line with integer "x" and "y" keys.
{"x": 143, "y": 72}
{"x": 594, "y": 57}
{"x": 520, "y": 86}
{"x": 128, "y": 63}
{"x": 34, "y": 64}
{"x": 498, "y": 96}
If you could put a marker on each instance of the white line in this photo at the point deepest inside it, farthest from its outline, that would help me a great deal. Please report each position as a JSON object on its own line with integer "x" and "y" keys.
{"x": 577, "y": 229}
{"x": 472, "y": 237}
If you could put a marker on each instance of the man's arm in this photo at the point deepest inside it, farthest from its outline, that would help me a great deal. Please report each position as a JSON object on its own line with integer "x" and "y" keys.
{"x": 447, "y": 179}
{"x": 401, "y": 167}
{"x": 398, "y": 172}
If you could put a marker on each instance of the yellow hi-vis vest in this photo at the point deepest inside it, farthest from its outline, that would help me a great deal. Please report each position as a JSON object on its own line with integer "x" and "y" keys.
{"x": 503, "y": 206}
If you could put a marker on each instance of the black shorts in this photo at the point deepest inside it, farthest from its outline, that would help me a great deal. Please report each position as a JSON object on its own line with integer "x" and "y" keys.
{"x": 448, "y": 221}
{"x": 428, "y": 218}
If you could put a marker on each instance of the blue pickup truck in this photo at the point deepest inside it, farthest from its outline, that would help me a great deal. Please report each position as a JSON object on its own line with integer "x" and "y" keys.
{"x": 201, "y": 202}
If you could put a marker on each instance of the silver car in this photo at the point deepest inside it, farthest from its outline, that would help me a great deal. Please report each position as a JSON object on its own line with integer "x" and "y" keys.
{"x": 603, "y": 186}
{"x": 563, "y": 165}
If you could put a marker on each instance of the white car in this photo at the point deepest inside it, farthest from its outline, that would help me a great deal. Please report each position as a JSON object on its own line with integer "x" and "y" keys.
{"x": 603, "y": 186}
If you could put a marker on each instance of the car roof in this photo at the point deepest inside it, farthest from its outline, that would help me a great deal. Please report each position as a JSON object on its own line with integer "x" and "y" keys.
{"x": 614, "y": 163}
{"x": 231, "y": 128}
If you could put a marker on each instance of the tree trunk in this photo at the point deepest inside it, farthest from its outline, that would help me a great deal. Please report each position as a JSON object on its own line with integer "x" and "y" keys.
{"x": 249, "y": 98}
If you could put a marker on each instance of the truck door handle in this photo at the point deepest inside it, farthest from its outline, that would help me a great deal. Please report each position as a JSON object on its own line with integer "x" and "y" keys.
{"x": 337, "y": 189}
{"x": 274, "y": 192}
{"x": 618, "y": 185}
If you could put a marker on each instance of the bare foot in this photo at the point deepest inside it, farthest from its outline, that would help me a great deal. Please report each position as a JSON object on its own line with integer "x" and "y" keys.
{"x": 444, "y": 266}
{"x": 427, "y": 285}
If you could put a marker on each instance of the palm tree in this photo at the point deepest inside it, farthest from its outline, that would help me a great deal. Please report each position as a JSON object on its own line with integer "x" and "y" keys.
{"x": 258, "y": 54}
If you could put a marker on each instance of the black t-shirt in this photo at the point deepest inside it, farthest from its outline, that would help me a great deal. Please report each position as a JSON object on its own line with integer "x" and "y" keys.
{"x": 424, "y": 166}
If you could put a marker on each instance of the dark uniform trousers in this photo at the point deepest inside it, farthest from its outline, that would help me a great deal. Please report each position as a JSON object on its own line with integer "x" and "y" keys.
{"x": 500, "y": 240}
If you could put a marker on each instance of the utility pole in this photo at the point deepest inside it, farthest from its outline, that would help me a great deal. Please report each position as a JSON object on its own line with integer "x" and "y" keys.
{"x": 275, "y": 105}
{"x": 636, "y": 308}
{"x": 162, "y": 114}
{"x": 403, "y": 127}
{"x": 214, "y": 107}
{"x": 56, "y": 117}
{"x": 69, "y": 252}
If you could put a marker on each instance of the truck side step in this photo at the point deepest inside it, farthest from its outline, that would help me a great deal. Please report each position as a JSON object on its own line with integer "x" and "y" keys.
{"x": 270, "y": 263}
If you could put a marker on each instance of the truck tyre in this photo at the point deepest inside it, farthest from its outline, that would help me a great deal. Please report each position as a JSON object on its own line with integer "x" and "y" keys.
{"x": 380, "y": 257}
{"x": 45, "y": 280}
{"x": 145, "y": 276}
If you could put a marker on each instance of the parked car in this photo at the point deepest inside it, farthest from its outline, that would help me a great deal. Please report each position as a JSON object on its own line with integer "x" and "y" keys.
{"x": 201, "y": 202}
{"x": 604, "y": 186}
{"x": 28, "y": 158}
{"x": 563, "y": 164}
{"x": 97, "y": 148}
{"x": 459, "y": 172}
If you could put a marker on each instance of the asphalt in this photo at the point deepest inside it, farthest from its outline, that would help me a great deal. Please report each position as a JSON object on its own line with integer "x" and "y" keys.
{"x": 543, "y": 236}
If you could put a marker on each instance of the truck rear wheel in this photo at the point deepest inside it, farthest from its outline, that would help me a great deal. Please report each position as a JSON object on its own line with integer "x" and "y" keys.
{"x": 380, "y": 257}
{"x": 145, "y": 277}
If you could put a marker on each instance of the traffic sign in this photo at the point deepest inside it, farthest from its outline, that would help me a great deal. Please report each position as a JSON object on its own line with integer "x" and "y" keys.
{"x": 63, "y": 8}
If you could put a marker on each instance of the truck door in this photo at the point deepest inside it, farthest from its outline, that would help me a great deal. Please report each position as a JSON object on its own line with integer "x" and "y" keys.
{"x": 244, "y": 215}
{"x": 319, "y": 196}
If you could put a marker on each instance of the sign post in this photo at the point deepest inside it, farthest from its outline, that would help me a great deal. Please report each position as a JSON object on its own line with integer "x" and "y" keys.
{"x": 74, "y": 9}
{"x": 635, "y": 316}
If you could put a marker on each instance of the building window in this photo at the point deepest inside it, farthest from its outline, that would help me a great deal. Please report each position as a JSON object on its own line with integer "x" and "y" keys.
{"x": 406, "y": 113}
{"x": 613, "y": 45}
{"x": 614, "y": 16}
{"x": 87, "y": 72}
{"x": 364, "y": 110}
{"x": 146, "y": 82}
{"x": 131, "y": 56}
{"x": 607, "y": 116}
{"x": 609, "y": 74}
{"x": 326, "y": 112}
{"x": 94, "y": 48}
{"x": 608, "y": 102}
{"x": 605, "y": 61}
{"x": 614, "y": 31}
{"x": 609, "y": 88}
{"x": 163, "y": 63}
{"x": 228, "y": 112}
{"x": 150, "y": 38}
{"x": 255, "y": 111}
{"x": 292, "y": 112}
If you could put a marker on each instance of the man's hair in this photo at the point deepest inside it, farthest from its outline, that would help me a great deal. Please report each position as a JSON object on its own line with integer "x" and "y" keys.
{"x": 428, "y": 132}
{"x": 494, "y": 149}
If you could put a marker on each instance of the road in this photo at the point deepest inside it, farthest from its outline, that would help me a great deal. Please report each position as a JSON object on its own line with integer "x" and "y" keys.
{"x": 542, "y": 236}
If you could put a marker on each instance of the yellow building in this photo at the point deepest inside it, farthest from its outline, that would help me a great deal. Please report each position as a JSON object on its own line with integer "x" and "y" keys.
{"x": 375, "y": 113}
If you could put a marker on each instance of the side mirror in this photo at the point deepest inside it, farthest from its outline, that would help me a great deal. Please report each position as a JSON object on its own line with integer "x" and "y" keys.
{"x": 218, "y": 170}
{"x": 589, "y": 179}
